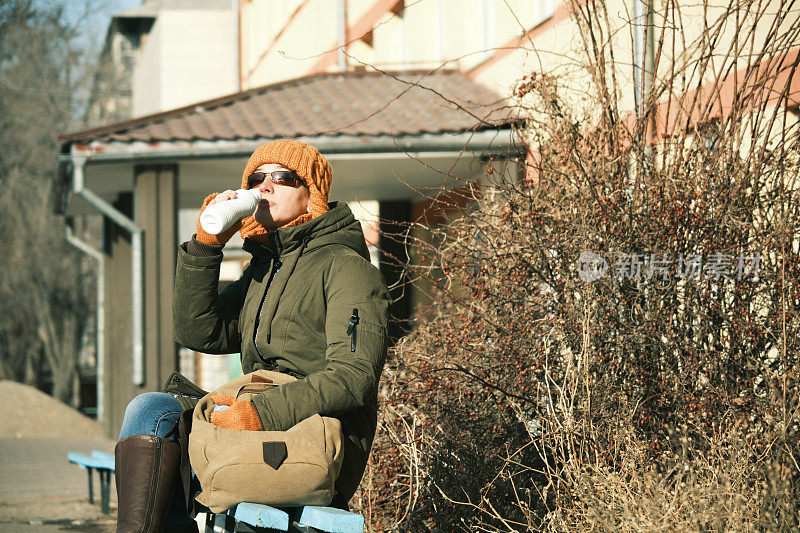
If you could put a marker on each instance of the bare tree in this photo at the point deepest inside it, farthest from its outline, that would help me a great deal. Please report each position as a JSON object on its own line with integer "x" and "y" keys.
{"x": 46, "y": 298}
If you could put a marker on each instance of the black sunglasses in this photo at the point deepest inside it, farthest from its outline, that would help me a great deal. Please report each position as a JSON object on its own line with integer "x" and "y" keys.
{"x": 280, "y": 177}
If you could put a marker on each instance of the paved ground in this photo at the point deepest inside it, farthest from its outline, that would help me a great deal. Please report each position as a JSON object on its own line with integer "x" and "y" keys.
{"x": 40, "y": 491}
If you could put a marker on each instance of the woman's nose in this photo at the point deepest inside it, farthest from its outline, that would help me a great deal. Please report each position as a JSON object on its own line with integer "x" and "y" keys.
{"x": 266, "y": 185}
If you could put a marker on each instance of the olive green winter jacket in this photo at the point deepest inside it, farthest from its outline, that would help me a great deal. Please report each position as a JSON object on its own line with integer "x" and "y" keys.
{"x": 311, "y": 305}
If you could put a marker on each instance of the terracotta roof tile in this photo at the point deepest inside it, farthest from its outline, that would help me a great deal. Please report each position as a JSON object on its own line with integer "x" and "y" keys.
{"x": 366, "y": 103}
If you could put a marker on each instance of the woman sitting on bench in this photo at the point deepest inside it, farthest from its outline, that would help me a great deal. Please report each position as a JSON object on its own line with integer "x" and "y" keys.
{"x": 293, "y": 311}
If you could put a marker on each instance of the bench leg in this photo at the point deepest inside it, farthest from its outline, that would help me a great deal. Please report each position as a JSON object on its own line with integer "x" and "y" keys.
{"x": 219, "y": 523}
{"x": 294, "y": 527}
{"x": 105, "y": 482}
{"x": 241, "y": 527}
{"x": 223, "y": 523}
{"x": 91, "y": 485}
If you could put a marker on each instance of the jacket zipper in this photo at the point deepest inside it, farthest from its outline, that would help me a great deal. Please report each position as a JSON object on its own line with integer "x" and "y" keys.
{"x": 351, "y": 329}
{"x": 276, "y": 264}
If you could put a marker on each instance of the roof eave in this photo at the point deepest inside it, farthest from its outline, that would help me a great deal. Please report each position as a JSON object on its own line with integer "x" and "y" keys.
{"x": 500, "y": 139}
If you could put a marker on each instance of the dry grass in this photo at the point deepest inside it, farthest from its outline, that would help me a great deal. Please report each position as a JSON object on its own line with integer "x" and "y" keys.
{"x": 727, "y": 490}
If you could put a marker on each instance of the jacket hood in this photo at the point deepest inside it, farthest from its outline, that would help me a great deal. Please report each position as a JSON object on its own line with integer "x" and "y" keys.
{"x": 337, "y": 226}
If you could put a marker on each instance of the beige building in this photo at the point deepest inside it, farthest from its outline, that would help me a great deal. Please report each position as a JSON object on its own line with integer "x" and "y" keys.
{"x": 466, "y": 35}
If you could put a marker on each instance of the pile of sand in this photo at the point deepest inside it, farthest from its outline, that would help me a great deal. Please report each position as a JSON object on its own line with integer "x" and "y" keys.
{"x": 28, "y": 412}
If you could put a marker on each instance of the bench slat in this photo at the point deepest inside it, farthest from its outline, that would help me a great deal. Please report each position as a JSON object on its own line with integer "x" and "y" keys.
{"x": 86, "y": 461}
{"x": 103, "y": 455}
{"x": 330, "y": 520}
{"x": 260, "y": 516}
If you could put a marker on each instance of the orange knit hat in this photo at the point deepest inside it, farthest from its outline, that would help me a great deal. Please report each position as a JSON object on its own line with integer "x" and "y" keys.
{"x": 309, "y": 165}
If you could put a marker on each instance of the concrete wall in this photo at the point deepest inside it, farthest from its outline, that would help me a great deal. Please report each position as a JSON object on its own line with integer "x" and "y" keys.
{"x": 272, "y": 53}
{"x": 282, "y": 41}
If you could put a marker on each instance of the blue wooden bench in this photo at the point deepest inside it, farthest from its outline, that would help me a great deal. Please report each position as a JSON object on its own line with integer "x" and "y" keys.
{"x": 244, "y": 517}
{"x": 104, "y": 464}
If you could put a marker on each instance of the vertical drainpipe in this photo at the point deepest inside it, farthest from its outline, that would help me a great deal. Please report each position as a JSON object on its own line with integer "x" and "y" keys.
{"x": 342, "y": 35}
{"x": 236, "y": 7}
{"x": 487, "y": 28}
{"x": 100, "y": 324}
{"x": 440, "y": 32}
{"x": 404, "y": 39}
{"x": 638, "y": 53}
{"x": 137, "y": 255}
{"x": 643, "y": 65}
{"x": 643, "y": 42}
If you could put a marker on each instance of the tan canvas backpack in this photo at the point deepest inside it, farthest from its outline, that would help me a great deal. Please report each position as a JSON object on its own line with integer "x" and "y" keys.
{"x": 279, "y": 468}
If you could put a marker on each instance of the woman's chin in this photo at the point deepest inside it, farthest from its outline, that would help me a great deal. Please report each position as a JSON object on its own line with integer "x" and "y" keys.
{"x": 267, "y": 224}
{"x": 263, "y": 217}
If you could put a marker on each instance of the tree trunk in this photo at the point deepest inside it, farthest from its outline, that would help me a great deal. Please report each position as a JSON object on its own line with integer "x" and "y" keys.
{"x": 61, "y": 350}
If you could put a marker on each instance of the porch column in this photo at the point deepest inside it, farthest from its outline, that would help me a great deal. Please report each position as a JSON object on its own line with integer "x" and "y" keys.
{"x": 155, "y": 210}
{"x": 393, "y": 215}
{"x": 117, "y": 381}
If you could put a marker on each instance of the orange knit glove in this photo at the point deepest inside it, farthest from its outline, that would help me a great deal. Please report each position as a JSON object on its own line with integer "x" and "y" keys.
{"x": 223, "y": 237}
{"x": 240, "y": 416}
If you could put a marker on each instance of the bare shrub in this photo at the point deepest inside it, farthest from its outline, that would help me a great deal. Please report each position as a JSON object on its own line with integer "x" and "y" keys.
{"x": 661, "y": 395}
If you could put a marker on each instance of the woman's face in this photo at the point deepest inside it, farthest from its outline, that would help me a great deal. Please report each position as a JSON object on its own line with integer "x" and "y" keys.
{"x": 280, "y": 204}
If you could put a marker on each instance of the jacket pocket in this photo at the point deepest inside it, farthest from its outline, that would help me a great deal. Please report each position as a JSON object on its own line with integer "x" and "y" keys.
{"x": 251, "y": 389}
{"x": 186, "y": 392}
{"x": 367, "y": 338}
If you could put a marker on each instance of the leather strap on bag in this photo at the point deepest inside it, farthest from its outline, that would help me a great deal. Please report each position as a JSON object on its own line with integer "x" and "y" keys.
{"x": 182, "y": 427}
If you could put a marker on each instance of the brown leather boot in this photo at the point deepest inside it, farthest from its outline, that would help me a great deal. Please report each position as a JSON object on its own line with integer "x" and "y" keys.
{"x": 146, "y": 472}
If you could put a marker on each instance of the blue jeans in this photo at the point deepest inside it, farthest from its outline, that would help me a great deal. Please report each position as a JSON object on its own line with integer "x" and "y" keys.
{"x": 154, "y": 413}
